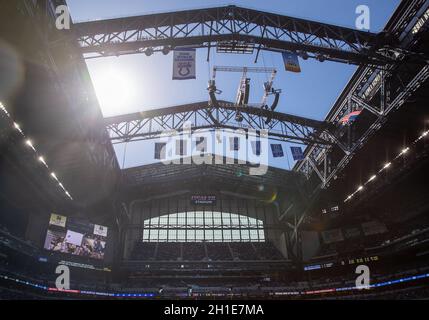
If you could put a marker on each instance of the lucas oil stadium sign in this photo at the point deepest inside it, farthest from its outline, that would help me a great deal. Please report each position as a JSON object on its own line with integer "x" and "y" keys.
{"x": 203, "y": 199}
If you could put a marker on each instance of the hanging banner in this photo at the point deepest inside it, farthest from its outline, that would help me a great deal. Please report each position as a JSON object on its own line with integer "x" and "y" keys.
{"x": 291, "y": 61}
{"x": 58, "y": 220}
{"x": 184, "y": 64}
{"x": 297, "y": 153}
{"x": 277, "y": 150}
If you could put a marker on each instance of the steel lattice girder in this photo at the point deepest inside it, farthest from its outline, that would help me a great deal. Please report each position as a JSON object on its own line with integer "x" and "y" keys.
{"x": 205, "y": 27}
{"x": 364, "y": 86}
{"x": 153, "y": 123}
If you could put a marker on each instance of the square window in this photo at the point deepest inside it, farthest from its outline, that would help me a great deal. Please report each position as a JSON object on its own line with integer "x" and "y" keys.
{"x": 199, "y": 235}
{"x": 190, "y": 235}
{"x": 236, "y": 235}
{"x": 209, "y": 235}
{"x": 245, "y": 234}
{"x": 227, "y": 235}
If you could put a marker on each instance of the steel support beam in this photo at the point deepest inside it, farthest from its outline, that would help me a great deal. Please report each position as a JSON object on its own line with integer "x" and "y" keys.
{"x": 369, "y": 89}
{"x": 151, "y": 124}
{"x": 208, "y": 27}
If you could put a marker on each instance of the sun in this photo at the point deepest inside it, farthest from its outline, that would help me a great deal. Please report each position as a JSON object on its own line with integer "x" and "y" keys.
{"x": 115, "y": 90}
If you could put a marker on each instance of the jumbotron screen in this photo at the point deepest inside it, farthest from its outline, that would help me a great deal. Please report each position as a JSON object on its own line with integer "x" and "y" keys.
{"x": 75, "y": 236}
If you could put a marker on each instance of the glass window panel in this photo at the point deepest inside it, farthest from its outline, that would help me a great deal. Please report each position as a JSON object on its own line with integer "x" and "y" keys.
{"x": 172, "y": 235}
{"x": 261, "y": 235}
{"x": 217, "y": 235}
{"x": 154, "y": 234}
{"x": 145, "y": 234}
{"x": 236, "y": 235}
{"x": 234, "y": 219}
{"x": 162, "y": 234}
{"x": 209, "y": 235}
{"x": 158, "y": 228}
{"x": 181, "y": 235}
{"x": 190, "y": 219}
{"x": 252, "y": 222}
{"x": 190, "y": 235}
{"x": 227, "y": 235}
{"x": 226, "y": 219}
{"x": 243, "y": 221}
{"x": 244, "y": 234}
{"x": 199, "y": 235}
{"x": 199, "y": 220}
{"x": 254, "y": 234}
{"x": 172, "y": 220}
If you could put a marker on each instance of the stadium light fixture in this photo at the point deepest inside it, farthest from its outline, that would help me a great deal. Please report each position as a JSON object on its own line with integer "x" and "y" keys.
{"x": 17, "y": 127}
{"x": 42, "y": 160}
{"x": 165, "y": 50}
{"x": 29, "y": 143}
{"x": 387, "y": 165}
{"x": 148, "y": 52}
{"x": 404, "y": 151}
{"x": 372, "y": 178}
{"x": 360, "y": 188}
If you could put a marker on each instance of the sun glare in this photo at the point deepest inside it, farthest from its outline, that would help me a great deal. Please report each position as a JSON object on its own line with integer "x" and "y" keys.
{"x": 115, "y": 91}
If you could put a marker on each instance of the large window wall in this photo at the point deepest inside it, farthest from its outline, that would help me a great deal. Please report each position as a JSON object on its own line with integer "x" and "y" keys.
{"x": 197, "y": 226}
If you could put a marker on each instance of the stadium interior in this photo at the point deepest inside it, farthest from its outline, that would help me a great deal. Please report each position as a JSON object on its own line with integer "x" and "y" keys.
{"x": 357, "y": 195}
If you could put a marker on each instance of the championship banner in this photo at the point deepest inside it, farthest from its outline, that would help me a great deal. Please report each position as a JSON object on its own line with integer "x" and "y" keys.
{"x": 58, "y": 220}
{"x": 184, "y": 64}
{"x": 100, "y": 230}
{"x": 291, "y": 61}
{"x": 297, "y": 153}
{"x": 277, "y": 150}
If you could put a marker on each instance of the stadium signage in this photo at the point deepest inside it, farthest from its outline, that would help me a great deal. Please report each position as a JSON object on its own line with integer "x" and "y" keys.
{"x": 203, "y": 200}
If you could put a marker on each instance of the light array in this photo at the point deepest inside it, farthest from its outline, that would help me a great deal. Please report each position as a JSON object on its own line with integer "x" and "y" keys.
{"x": 152, "y": 294}
{"x": 386, "y": 166}
{"x": 30, "y": 144}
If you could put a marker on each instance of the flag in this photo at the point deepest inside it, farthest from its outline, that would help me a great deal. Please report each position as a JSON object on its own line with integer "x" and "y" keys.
{"x": 184, "y": 64}
{"x": 291, "y": 61}
{"x": 277, "y": 150}
{"x": 297, "y": 153}
{"x": 349, "y": 118}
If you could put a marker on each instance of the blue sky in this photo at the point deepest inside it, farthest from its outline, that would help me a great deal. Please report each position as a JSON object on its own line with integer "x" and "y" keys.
{"x": 145, "y": 82}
